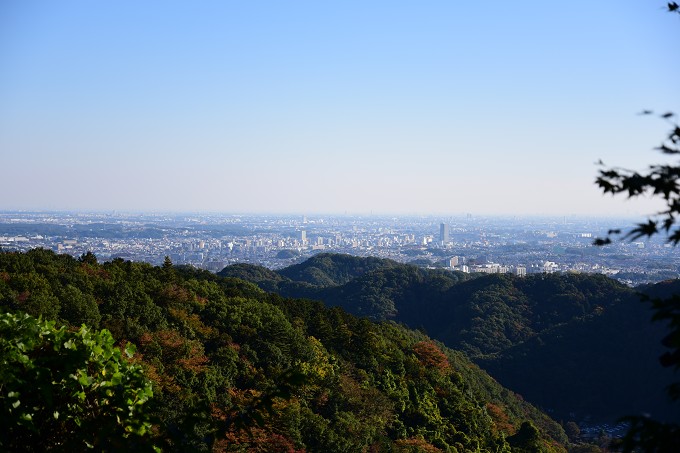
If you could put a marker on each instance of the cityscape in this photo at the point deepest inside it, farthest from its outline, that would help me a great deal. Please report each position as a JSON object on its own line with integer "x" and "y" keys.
{"x": 465, "y": 243}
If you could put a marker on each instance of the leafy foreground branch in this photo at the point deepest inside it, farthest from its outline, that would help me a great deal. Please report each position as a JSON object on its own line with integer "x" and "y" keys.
{"x": 64, "y": 390}
{"x": 659, "y": 181}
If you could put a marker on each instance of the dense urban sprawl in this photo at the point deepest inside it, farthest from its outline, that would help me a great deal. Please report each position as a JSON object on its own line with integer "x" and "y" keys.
{"x": 465, "y": 243}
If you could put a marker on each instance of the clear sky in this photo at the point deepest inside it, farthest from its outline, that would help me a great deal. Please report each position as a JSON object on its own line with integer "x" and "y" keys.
{"x": 494, "y": 107}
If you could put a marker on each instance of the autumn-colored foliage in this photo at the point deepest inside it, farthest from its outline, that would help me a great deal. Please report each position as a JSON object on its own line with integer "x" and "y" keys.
{"x": 236, "y": 369}
{"x": 415, "y": 445}
{"x": 500, "y": 418}
{"x": 431, "y": 356}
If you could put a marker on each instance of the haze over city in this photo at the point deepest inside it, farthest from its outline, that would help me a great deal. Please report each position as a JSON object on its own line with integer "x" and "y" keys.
{"x": 303, "y": 107}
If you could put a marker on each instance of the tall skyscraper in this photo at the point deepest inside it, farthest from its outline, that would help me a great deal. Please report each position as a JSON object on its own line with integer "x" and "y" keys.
{"x": 444, "y": 233}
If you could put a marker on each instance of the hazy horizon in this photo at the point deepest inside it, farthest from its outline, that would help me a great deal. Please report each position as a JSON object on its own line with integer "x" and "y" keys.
{"x": 388, "y": 107}
{"x": 312, "y": 217}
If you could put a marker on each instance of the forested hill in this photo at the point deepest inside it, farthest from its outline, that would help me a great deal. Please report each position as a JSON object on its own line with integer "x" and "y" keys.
{"x": 321, "y": 270}
{"x": 577, "y": 344}
{"x": 237, "y": 369}
{"x": 364, "y": 286}
{"x": 326, "y": 269}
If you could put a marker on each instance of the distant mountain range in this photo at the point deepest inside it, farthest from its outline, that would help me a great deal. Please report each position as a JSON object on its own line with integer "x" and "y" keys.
{"x": 576, "y": 345}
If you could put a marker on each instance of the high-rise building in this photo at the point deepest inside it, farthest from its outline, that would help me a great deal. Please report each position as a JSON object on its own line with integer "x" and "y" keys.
{"x": 303, "y": 236}
{"x": 444, "y": 233}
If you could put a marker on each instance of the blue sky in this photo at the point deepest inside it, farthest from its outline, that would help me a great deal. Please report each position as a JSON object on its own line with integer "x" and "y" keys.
{"x": 302, "y": 107}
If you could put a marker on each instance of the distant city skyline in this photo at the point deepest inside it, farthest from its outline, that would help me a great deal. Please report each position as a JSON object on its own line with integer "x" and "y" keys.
{"x": 466, "y": 243}
{"x": 396, "y": 108}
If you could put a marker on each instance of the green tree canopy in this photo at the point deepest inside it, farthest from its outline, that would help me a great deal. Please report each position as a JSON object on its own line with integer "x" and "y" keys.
{"x": 64, "y": 390}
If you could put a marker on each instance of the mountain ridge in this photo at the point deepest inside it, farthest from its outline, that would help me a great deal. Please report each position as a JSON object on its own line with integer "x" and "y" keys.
{"x": 236, "y": 368}
{"x": 492, "y": 318}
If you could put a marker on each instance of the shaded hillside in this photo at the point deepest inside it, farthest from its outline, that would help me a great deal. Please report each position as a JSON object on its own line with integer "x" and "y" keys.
{"x": 386, "y": 293}
{"x": 576, "y": 344}
{"x": 495, "y": 312}
{"x": 605, "y": 365}
{"x": 266, "y": 279}
{"x": 235, "y": 369}
{"x": 661, "y": 290}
